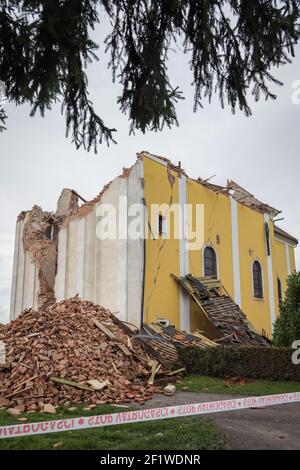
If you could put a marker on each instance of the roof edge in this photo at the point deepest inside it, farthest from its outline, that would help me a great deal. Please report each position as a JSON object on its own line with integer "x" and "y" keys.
{"x": 285, "y": 235}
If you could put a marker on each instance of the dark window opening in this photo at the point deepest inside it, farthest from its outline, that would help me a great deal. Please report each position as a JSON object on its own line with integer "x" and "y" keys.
{"x": 210, "y": 262}
{"x": 279, "y": 286}
{"x": 162, "y": 227}
{"x": 267, "y": 230}
{"x": 257, "y": 281}
{"x": 48, "y": 232}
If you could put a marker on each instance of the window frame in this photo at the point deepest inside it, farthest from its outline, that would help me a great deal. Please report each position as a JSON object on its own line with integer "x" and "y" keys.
{"x": 279, "y": 291}
{"x": 162, "y": 226}
{"x": 203, "y": 261}
{"x": 262, "y": 298}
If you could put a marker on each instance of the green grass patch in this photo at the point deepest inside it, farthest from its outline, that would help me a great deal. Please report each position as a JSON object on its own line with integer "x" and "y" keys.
{"x": 171, "y": 434}
{"x": 251, "y": 387}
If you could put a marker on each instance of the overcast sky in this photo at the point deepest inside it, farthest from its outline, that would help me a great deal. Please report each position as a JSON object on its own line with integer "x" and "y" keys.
{"x": 261, "y": 153}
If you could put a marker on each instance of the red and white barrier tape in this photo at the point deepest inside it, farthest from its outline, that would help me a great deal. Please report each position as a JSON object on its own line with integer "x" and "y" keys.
{"x": 140, "y": 415}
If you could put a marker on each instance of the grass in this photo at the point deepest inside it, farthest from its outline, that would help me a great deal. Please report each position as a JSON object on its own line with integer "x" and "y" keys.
{"x": 191, "y": 433}
{"x": 181, "y": 433}
{"x": 250, "y": 387}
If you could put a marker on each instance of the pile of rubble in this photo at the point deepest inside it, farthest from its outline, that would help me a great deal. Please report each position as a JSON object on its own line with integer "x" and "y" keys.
{"x": 72, "y": 352}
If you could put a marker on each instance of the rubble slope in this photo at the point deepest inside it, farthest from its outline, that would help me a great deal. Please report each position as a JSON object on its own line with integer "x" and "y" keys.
{"x": 76, "y": 341}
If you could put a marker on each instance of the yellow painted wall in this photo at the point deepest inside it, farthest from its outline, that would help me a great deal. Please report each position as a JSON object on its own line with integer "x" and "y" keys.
{"x": 217, "y": 224}
{"x": 252, "y": 245}
{"x": 162, "y": 295}
{"x": 281, "y": 264}
{"x": 292, "y": 258}
{"x": 280, "y": 268}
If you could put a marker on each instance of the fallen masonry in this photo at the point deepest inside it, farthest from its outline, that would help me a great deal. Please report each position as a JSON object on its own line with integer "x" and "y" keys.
{"x": 73, "y": 352}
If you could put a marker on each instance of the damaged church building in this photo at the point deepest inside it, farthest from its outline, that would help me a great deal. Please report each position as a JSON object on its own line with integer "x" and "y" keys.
{"x": 230, "y": 286}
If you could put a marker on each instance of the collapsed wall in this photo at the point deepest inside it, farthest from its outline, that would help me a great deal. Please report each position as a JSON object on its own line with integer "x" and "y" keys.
{"x": 35, "y": 255}
{"x": 105, "y": 270}
{"x": 59, "y": 255}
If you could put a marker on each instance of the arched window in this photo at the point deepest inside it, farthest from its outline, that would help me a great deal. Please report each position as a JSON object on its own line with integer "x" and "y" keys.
{"x": 279, "y": 286}
{"x": 257, "y": 281}
{"x": 210, "y": 262}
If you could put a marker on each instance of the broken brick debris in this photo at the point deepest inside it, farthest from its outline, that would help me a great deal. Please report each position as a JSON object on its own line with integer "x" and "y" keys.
{"x": 165, "y": 342}
{"x": 42, "y": 250}
{"x": 58, "y": 348}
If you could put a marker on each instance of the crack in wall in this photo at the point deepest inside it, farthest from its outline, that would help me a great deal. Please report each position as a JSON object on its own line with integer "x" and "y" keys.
{"x": 160, "y": 250}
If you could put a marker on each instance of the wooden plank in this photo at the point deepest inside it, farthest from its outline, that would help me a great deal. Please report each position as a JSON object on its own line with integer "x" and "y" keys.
{"x": 71, "y": 383}
{"x": 18, "y": 391}
{"x": 113, "y": 337}
{"x": 175, "y": 372}
{"x": 153, "y": 372}
{"x": 25, "y": 381}
{"x": 104, "y": 330}
{"x": 124, "y": 349}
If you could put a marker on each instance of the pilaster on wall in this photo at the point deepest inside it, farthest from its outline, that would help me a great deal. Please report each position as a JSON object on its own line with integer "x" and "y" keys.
{"x": 90, "y": 258}
{"x": 235, "y": 252}
{"x": 14, "y": 286}
{"x": 271, "y": 279}
{"x": 30, "y": 291}
{"x": 185, "y": 320}
{"x": 25, "y": 282}
{"x": 122, "y": 253}
{"x": 80, "y": 257}
{"x": 60, "y": 280}
{"x": 135, "y": 248}
{"x": 288, "y": 259}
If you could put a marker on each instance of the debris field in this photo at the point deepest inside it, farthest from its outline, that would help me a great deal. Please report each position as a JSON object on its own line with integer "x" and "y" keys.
{"x": 69, "y": 353}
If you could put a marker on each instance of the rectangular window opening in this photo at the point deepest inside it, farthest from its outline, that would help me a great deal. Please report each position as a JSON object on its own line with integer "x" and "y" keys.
{"x": 162, "y": 225}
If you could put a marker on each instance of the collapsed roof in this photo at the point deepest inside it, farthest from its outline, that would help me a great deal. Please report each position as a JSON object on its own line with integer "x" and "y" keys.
{"x": 165, "y": 342}
{"x": 233, "y": 189}
{"x": 222, "y": 320}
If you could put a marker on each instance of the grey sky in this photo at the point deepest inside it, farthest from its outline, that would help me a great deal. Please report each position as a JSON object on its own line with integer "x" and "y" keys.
{"x": 260, "y": 153}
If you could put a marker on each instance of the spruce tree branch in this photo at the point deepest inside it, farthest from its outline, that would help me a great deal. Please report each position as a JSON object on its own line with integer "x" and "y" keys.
{"x": 45, "y": 47}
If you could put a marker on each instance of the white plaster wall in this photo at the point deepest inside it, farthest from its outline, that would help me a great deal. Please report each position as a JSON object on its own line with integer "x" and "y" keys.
{"x": 70, "y": 283}
{"x": 29, "y": 292}
{"x": 107, "y": 272}
{"x": 15, "y": 269}
{"x": 135, "y": 249}
{"x": 60, "y": 279}
{"x": 25, "y": 282}
{"x": 107, "y": 275}
{"x": 90, "y": 259}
